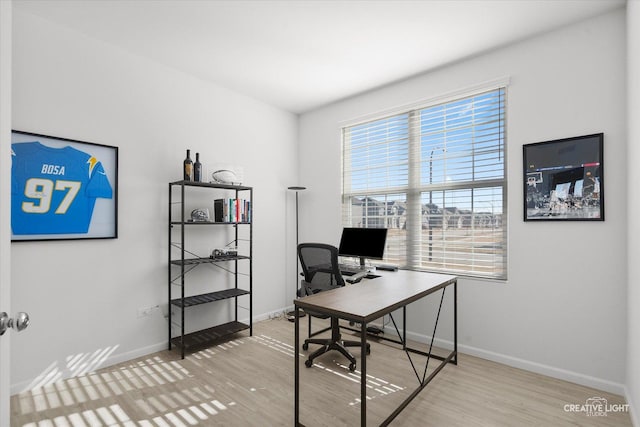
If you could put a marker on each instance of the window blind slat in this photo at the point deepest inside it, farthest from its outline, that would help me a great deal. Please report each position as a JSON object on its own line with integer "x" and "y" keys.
{"x": 452, "y": 157}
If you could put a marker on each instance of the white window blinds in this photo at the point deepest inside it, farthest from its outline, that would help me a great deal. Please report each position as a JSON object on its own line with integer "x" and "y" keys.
{"x": 435, "y": 177}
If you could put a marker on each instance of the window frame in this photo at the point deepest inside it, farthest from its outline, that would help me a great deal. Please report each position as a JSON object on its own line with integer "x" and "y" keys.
{"x": 414, "y": 189}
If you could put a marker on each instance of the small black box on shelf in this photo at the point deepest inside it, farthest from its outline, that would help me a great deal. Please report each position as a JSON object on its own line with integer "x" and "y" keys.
{"x": 218, "y": 210}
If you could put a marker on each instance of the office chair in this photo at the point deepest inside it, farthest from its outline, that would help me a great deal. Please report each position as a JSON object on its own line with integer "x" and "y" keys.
{"x": 321, "y": 273}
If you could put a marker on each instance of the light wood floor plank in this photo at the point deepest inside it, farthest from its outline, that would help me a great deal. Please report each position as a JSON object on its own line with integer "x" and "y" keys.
{"x": 249, "y": 382}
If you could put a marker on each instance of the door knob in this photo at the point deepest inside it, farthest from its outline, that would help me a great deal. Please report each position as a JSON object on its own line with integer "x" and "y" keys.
{"x": 19, "y": 323}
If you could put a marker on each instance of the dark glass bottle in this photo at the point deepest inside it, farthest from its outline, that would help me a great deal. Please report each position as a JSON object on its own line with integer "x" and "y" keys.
{"x": 188, "y": 167}
{"x": 197, "y": 169}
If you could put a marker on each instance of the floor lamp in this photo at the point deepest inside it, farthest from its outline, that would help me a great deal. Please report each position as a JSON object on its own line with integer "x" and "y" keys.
{"x": 291, "y": 315}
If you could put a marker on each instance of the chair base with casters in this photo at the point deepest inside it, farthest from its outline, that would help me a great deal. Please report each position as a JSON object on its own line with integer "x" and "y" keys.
{"x": 333, "y": 343}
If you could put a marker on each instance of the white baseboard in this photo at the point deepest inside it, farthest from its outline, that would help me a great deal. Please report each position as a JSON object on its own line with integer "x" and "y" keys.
{"x": 515, "y": 362}
{"x": 527, "y": 365}
{"x": 635, "y": 422}
{"x": 550, "y": 371}
{"x": 270, "y": 315}
{"x": 113, "y": 359}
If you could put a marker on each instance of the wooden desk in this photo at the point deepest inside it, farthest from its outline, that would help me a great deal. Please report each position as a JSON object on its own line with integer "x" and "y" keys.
{"x": 367, "y": 301}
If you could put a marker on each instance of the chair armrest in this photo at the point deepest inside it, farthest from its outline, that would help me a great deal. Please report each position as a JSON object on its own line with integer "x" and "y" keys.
{"x": 307, "y": 288}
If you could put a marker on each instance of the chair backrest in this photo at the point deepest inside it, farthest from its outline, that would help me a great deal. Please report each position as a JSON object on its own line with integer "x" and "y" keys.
{"x": 320, "y": 267}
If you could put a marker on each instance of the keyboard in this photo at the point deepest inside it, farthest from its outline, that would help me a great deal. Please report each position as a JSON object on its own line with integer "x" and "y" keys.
{"x": 350, "y": 269}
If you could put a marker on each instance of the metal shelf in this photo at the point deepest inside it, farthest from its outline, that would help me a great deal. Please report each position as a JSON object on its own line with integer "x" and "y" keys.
{"x": 196, "y": 261}
{"x": 211, "y": 185}
{"x": 180, "y": 225}
{"x": 208, "y": 297}
{"x": 208, "y": 223}
{"x": 209, "y": 336}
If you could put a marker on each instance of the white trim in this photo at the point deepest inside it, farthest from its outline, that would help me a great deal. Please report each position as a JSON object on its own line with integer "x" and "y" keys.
{"x": 550, "y": 371}
{"x": 110, "y": 361}
{"x": 502, "y": 82}
{"x": 6, "y": 24}
{"x": 117, "y": 358}
{"x": 383, "y": 160}
{"x": 515, "y": 362}
{"x": 635, "y": 421}
{"x": 527, "y": 365}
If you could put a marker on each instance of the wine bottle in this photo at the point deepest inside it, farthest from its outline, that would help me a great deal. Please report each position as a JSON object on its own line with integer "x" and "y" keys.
{"x": 197, "y": 169}
{"x": 188, "y": 167}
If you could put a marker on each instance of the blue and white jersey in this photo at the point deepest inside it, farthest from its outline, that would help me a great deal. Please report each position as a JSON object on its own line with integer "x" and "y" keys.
{"x": 54, "y": 190}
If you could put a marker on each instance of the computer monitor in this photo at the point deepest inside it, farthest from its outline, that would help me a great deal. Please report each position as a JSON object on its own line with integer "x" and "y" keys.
{"x": 363, "y": 243}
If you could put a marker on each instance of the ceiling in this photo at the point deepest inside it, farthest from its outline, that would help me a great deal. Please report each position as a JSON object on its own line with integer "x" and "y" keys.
{"x": 301, "y": 54}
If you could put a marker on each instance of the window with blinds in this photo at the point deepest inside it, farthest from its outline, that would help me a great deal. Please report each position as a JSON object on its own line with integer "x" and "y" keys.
{"x": 435, "y": 177}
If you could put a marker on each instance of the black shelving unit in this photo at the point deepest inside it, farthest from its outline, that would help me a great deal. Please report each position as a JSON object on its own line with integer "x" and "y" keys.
{"x": 180, "y": 299}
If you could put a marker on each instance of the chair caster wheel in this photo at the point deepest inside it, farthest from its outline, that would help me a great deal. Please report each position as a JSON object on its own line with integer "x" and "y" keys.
{"x": 308, "y": 363}
{"x": 352, "y": 367}
{"x": 368, "y": 349}
{"x": 305, "y": 346}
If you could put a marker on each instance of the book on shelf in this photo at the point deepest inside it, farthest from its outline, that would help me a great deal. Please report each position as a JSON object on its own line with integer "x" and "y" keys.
{"x": 232, "y": 210}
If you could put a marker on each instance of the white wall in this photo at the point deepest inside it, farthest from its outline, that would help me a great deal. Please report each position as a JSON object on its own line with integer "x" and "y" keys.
{"x": 83, "y": 296}
{"x": 563, "y": 310}
{"x": 5, "y": 210}
{"x": 633, "y": 159}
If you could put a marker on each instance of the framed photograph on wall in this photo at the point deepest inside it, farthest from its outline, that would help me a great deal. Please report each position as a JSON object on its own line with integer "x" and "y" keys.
{"x": 62, "y": 188}
{"x": 563, "y": 179}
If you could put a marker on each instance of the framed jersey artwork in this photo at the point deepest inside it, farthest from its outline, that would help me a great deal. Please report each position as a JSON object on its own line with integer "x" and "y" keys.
{"x": 62, "y": 188}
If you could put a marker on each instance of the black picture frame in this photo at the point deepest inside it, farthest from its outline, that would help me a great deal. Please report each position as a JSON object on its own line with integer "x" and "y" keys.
{"x": 62, "y": 189}
{"x": 564, "y": 179}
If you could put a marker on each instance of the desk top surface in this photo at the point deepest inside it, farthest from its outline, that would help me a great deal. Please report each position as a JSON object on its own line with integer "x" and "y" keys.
{"x": 371, "y": 298}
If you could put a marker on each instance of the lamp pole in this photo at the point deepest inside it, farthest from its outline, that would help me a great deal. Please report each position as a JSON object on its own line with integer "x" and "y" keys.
{"x": 431, "y": 201}
{"x": 297, "y": 189}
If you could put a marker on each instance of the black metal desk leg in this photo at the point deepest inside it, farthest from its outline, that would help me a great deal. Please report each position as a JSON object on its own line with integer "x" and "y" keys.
{"x": 455, "y": 321}
{"x": 297, "y": 368}
{"x": 363, "y": 374}
{"x": 404, "y": 328}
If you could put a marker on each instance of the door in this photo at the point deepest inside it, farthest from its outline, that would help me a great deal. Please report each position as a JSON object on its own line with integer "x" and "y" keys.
{"x": 5, "y": 201}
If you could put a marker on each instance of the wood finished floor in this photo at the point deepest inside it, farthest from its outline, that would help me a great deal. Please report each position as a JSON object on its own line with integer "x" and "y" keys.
{"x": 249, "y": 382}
